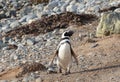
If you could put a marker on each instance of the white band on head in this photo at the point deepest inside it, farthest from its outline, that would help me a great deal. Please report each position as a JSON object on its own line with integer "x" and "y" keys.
{"x": 63, "y": 35}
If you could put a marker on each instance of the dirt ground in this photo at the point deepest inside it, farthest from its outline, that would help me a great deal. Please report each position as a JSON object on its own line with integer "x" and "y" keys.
{"x": 99, "y": 59}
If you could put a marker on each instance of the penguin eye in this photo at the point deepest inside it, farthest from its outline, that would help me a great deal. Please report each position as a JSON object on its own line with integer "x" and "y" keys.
{"x": 66, "y": 34}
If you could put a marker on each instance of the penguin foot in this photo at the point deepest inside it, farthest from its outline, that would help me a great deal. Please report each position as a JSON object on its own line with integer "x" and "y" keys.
{"x": 59, "y": 71}
{"x": 66, "y": 73}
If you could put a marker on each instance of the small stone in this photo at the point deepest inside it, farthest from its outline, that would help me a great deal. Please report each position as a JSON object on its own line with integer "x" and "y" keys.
{"x": 15, "y": 57}
{"x": 56, "y": 9}
{"x": 80, "y": 1}
{"x": 31, "y": 17}
{"x": 11, "y": 13}
{"x": 11, "y": 41}
{"x": 23, "y": 19}
{"x": 39, "y": 38}
{"x": 14, "y": 24}
{"x": 5, "y": 39}
{"x": 2, "y": 44}
{"x": 94, "y": 45}
{"x": 30, "y": 42}
{"x": 1, "y": 70}
{"x": 51, "y": 69}
{"x": 80, "y": 80}
{"x": 24, "y": 11}
{"x": 117, "y": 10}
{"x": 38, "y": 80}
{"x": 25, "y": 79}
{"x": 3, "y": 81}
{"x": 15, "y": 80}
{"x": 51, "y": 5}
{"x": 73, "y": 2}
{"x": 2, "y": 14}
{"x": 71, "y": 8}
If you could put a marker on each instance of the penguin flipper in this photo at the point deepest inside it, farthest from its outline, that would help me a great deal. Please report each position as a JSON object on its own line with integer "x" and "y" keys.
{"x": 74, "y": 55}
{"x": 56, "y": 53}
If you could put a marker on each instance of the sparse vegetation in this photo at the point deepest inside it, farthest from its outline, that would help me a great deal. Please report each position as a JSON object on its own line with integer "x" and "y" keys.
{"x": 39, "y": 1}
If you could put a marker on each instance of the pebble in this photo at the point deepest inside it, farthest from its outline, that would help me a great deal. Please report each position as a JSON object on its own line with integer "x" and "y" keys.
{"x": 30, "y": 42}
{"x": 71, "y": 8}
{"x": 42, "y": 45}
{"x": 25, "y": 79}
{"x": 14, "y": 24}
{"x": 38, "y": 80}
{"x": 30, "y": 17}
{"x": 23, "y": 19}
{"x": 3, "y": 81}
{"x": 117, "y": 10}
{"x": 94, "y": 45}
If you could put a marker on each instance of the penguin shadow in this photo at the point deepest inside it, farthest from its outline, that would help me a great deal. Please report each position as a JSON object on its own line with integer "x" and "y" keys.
{"x": 97, "y": 69}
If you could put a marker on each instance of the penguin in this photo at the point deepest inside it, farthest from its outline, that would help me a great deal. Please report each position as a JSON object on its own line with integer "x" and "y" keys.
{"x": 64, "y": 53}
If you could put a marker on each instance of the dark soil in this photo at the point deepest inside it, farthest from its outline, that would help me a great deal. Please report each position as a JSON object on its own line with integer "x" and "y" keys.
{"x": 46, "y": 24}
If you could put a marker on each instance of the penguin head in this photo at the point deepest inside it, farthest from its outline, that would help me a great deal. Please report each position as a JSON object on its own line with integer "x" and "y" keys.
{"x": 67, "y": 34}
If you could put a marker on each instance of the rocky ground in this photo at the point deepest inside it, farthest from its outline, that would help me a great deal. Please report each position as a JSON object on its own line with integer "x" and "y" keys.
{"x": 28, "y": 41}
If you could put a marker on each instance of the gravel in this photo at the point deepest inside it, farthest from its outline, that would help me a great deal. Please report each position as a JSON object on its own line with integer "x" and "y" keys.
{"x": 36, "y": 48}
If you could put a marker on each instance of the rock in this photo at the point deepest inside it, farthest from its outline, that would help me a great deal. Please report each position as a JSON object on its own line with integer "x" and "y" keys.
{"x": 11, "y": 13}
{"x": 23, "y": 19}
{"x": 15, "y": 57}
{"x": 47, "y": 35}
{"x": 14, "y": 24}
{"x": 117, "y": 10}
{"x": 114, "y": 3}
{"x": 5, "y": 39}
{"x": 67, "y": 1}
{"x": 7, "y": 26}
{"x": 3, "y": 81}
{"x": 94, "y": 45}
{"x": 38, "y": 80}
{"x": 80, "y": 80}
{"x": 15, "y": 80}
{"x": 71, "y": 8}
{"x": 11, "y": 41}
{"x": 39, "y": 38}
{"x": 31, "y": 17}
{"x": 96, "y": 8}
{"x": 73, "y": 2}
{"x": 24, "y": 11}
{"x": 1, "y": 70}
{"x": 25, "y": 79}
{"x": 80, "y": 1}
{"x": 80, "y": 8}
{"x": 1, "y": 5}
{"x": 51, "y": 70}
{"x": 2, "y": 14}
{"x": 30, "y": 42}
{"x": 0, "y": 25}
{"x": 56, "y": 9}
{"x": 63, "y": 7}
{"x": 38, "y": 9}
{"x": 109, "y": 24}
{"x": 2, "y": 44}
{"x": 51, "y": 5}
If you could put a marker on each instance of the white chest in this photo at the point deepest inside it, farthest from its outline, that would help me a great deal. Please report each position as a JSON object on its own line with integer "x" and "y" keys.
{"x": 64, "y": 53}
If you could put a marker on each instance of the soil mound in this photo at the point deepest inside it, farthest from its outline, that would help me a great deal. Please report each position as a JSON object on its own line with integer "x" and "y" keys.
{"x": 22, "y": 70}
{"x": 46, "y": 24}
